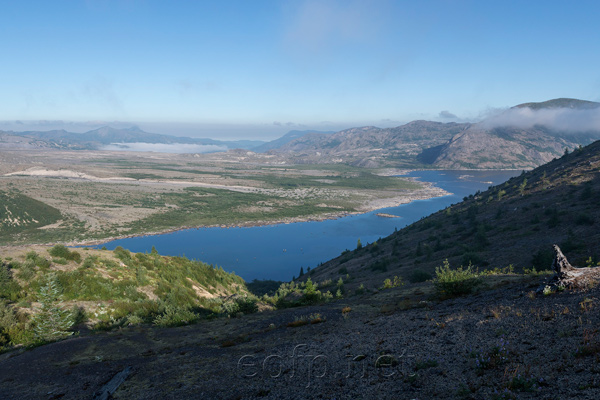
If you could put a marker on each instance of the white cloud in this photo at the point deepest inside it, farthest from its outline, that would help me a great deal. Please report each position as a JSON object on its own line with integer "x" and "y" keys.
{"x": 165, "y": 148}
{"x": 560, "y": 119}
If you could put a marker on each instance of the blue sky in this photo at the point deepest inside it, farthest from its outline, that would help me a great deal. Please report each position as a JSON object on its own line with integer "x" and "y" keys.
{"x": 232, "y": 69}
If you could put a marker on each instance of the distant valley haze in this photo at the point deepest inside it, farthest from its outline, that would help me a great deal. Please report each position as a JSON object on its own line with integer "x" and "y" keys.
{"x": 522, "y": 136}
{"x": 240, "y": 70}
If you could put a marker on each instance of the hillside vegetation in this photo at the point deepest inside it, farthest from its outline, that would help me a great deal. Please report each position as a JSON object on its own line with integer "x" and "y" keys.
{"x": 512, "y": 224}
{"x": 97, "y": 289}
{"x": 561, "y": 103}
{"x": 19, "y": 213}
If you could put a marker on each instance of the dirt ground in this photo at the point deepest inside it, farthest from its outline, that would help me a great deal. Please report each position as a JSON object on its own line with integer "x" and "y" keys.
{"x": 398, "y": 343}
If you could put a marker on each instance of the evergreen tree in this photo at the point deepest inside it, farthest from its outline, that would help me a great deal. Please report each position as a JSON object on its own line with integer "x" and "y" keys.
{"x": 358, "y": 245}
{"x": 301, "y": 271}
{"x": 52, "y": 322}
{"x": 310, "y": 287}
{"x": 522, "y": 187}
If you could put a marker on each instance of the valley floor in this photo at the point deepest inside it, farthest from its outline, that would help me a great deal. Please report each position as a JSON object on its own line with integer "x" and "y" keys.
{"x": 89, "y": 196}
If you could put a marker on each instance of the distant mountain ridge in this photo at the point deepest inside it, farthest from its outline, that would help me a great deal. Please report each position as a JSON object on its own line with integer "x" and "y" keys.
{"x": 368, "y": 146}
{"x": 107, "y": 135}
{"x": 562, "y": 102}
{"x": 515, "y": 139}
{"x": 522, "y": 137}
{"x": 288, "y": 137}
{"x": 520, "y": 140}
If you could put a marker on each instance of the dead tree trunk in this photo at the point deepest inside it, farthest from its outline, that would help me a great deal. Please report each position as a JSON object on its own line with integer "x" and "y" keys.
{"x": 107, "y": 390}
{"x": 570, "y": 277}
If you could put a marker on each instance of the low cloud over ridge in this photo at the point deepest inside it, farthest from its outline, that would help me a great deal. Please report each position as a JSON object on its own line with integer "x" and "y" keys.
{"x": 557, "y": 119}
{"x": 179, "y": 148}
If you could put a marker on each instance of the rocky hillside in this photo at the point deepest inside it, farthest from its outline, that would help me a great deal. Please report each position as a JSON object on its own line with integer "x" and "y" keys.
{"x": 515, "y": 224}
{"x": 502, "y": 148}
{"x": 288, "y": 137}
{"x": 371, "y": 146}
{"x": 523, "y": 137}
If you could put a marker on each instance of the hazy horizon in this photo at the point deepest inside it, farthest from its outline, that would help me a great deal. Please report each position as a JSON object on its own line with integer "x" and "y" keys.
{"x": 241, "y": 70}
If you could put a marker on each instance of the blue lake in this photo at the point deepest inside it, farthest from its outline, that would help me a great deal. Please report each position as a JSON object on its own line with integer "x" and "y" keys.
{"x": 278, "y": 251}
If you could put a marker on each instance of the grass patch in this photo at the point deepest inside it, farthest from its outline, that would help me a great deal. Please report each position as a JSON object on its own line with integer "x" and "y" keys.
{"x": 455, "y": 282}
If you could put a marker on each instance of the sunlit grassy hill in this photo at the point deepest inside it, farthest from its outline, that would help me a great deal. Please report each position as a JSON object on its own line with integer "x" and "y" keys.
{"x": 19, "y": 213}
{"x": 103, "y": 290}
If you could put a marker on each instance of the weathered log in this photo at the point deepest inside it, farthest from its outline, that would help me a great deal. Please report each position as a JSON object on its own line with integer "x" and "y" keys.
{"x": 570, "y": 277}
{"x": 560, "y": 263}
{"x": 112, "y": 385}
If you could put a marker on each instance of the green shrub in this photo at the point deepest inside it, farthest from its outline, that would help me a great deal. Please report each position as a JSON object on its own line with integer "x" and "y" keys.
{"x": 8, "y": 320}
{"x": 360, "y": 290}
{"x": 311, "y": 294}
{"x": 175, "y": 316}
{"x": 247, "y": 305}
{"x": 241, "y": 304}
{"x": 75, "y": 256}
{"x": 89, "y": 262}
{"x": 37, "y": 260}
{"x": 9, "y": 288}
{"x": 122, "y": 254}
{"x": 141, "y": 276}
{"x": 455, "y": 282}
{"x": 146, "y": 310}
{"x": 61, "y": 251}
{"x": 134, "y": 320}
{"x": 388, "y": 283}
{"x": 27, "y": 270}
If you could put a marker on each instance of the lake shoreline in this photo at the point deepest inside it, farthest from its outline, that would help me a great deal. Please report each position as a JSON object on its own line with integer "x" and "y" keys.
{"x": 428, "y": 191}
{"x": 271, "y": 250}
